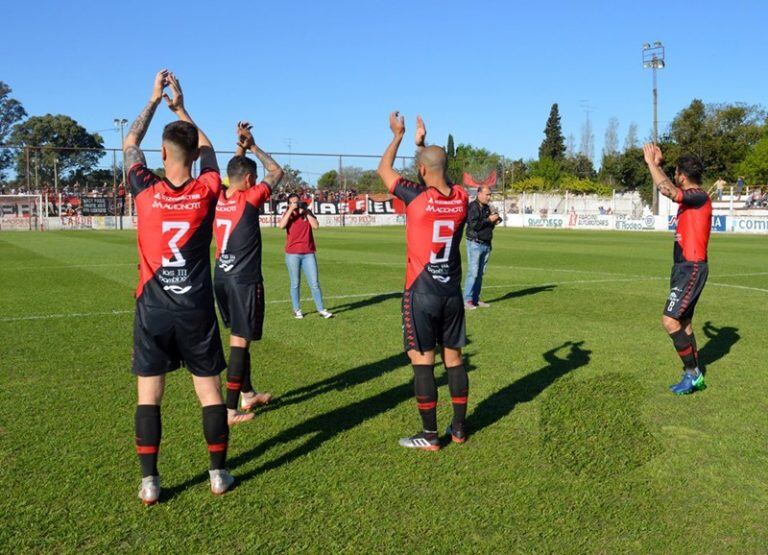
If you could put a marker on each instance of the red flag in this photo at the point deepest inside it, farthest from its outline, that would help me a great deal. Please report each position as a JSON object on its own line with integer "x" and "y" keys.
{"x": 489, "y": 181}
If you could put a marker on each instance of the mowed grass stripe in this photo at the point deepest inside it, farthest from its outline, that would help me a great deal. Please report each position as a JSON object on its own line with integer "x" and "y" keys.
{"x": 577, "y": 445}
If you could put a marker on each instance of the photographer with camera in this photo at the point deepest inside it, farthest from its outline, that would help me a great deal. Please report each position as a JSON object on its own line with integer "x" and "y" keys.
{"x": 298, "y": 221}
{"x": 481, "y": 219}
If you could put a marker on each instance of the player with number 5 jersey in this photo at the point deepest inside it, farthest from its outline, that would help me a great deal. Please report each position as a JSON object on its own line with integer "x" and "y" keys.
{"x": 433, "y": 307}
{"x": 175, "y": 321}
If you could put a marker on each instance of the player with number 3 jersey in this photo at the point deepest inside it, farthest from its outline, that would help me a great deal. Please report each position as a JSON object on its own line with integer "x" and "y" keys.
{"x": 175, "y": 321}
{"x": 433, "y": 307}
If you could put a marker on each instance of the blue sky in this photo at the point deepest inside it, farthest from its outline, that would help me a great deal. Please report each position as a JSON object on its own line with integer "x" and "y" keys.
{"x": 326, "y": 74}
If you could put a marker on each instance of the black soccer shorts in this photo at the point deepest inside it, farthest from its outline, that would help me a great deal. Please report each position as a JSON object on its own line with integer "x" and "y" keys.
{"x": 241, "y": 306}
{"x": 685, "y": 286}
{"x": 431, "y": 320}
{"x": 165, "y": 339}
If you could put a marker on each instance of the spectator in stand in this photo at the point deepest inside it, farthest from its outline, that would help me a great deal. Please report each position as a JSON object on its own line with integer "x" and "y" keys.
{"x": 298, "y": 221}
{"x": 739, "y": 186}
{"x": 719, "y": 186}
{"x": 755, "y": 198}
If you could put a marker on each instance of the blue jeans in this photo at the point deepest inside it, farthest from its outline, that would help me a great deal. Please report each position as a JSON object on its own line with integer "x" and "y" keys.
{"x": 477, "y": 261}
{"x": 307, "y": 262}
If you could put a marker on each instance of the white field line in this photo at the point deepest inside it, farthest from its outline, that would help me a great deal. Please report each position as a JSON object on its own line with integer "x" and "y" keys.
{"x": 366, "y": 295}
{"x": 67, "y": 266}
{"x": 738, "y": 287}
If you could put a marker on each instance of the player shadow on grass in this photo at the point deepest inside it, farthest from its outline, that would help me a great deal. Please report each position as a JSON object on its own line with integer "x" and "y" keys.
{"x": 492, "y": 409}
{"x": 322, "y": 427}
{"x": 376, "y": 299}
{"x": 523, "y": 293}
{"x": 338, "y": 382}
{"x": 720, "y": 342}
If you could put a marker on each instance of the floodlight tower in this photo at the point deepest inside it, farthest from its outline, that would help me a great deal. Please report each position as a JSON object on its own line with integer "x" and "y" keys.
{"x": 653, "y": 57}
{"x": 120, "y": 122}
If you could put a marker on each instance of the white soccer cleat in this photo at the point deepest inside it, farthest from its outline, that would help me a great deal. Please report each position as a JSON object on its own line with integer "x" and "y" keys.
{"x": 150, "y": 490}
{"x": 221, "y": 481}
{"x": 298, "y": 314}
{"x": 325, "y": 314}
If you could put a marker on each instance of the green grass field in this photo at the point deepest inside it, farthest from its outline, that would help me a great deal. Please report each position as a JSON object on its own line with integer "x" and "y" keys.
{"x": 577, "y": 444}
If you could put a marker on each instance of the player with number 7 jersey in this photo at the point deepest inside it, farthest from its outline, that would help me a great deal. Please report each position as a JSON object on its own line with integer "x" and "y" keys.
{"x": 433, "y": 306}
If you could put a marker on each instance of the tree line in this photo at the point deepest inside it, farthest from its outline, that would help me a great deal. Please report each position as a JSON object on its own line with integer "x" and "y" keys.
{"x": 731, "y": 139}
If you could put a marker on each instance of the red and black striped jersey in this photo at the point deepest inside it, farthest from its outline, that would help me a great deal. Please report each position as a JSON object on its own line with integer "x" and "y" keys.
{"x": 694, "y": 222}
{"x": 238, "y": 235}
{"x": 174, "y": 237}
{"x": 433, "y": 228}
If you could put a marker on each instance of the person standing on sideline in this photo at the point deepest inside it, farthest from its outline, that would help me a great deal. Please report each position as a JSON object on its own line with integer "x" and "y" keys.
{"x": 298, "y": 221}
{"x": 719, "y": 186}
{"x": 481, "y": 220}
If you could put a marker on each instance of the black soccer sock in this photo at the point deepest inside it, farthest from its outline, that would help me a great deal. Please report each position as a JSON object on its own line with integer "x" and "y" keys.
{"x": 426, "y": 395}
{"x": 216, "y": 431}
{"x": 458, "y": 384}
{"x": 247, "y": 386}
{"x": 692, "y": 339}
{"x": 684, "y": 349}
{"x": 235, "y": 372}
{"x": 148, "y": 432}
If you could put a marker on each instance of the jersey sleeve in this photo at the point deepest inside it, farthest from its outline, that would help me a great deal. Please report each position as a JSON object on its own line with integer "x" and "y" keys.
{"x": 211, "y": 179}
{"x": 140, "y": 177}
{"x": 407, "y": 190}
{"x": 258, "y": 194}
{"x": 692, "y": 197}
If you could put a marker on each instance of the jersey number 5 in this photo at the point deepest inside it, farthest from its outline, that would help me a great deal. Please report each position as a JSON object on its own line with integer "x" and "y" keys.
{"x": 181, "y": 228}
{"x": 439, "y": 238}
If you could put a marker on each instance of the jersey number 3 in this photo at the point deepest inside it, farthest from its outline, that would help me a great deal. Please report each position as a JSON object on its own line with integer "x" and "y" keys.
{"x": 438, "y": 238}
{"x": 181, "y": 228}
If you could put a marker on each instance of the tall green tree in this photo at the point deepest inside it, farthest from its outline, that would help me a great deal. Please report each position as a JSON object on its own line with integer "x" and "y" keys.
{"x": 450, "y": 149}
{"x": 56, "y": 131}
{"x": 11, "y": 112}
{"x": 755, "y": 166}
{"x": 721, "y": 135}
{"x": 553, "y": 145}
{"x": 329, "y": 181}
{"x": 478, "y": 162}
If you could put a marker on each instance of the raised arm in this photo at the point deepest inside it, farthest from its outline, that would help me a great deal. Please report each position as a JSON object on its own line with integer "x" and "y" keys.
{"x": 132, "y": 142}
{"x": 245, "y": 141}
{"x": 386, "y": 168}
{"x": 176, "y": 105}
{"x": 654, "y": 159}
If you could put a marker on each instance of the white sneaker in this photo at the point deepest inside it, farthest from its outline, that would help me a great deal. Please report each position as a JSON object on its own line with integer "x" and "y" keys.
{"x": 325, "y": 314}
{"x": 150, "y": 490}
{"x": 482, "y": 304}
{"x": 221, "y": 481}
{"x": 298, "y": 314}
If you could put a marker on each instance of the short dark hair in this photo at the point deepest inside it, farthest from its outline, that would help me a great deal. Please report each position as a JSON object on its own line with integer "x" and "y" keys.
{"x": 239, "y": 167}
{"x": 290, "y": 196}
{"x": 182, "y": 135}
{"x": 691, "y": 167}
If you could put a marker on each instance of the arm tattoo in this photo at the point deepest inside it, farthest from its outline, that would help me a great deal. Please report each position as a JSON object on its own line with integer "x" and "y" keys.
{"x": 208, "y": 158}
{"x": 274, "y": 171}
{"x": 140, "y": 126}
{"x": 134, "y": 155}
{"x": 667, "y": 189}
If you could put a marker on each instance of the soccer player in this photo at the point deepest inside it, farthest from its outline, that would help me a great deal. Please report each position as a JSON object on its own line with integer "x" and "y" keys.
{"x": 239, "y": 285}
{"x": 175, "y": 321}
{"x": 690, "y": 269}
{"x": 433, "y": 307}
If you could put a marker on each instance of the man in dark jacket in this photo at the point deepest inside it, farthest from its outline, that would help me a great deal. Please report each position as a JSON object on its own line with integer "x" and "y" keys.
{"x": 480, "y": 223}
